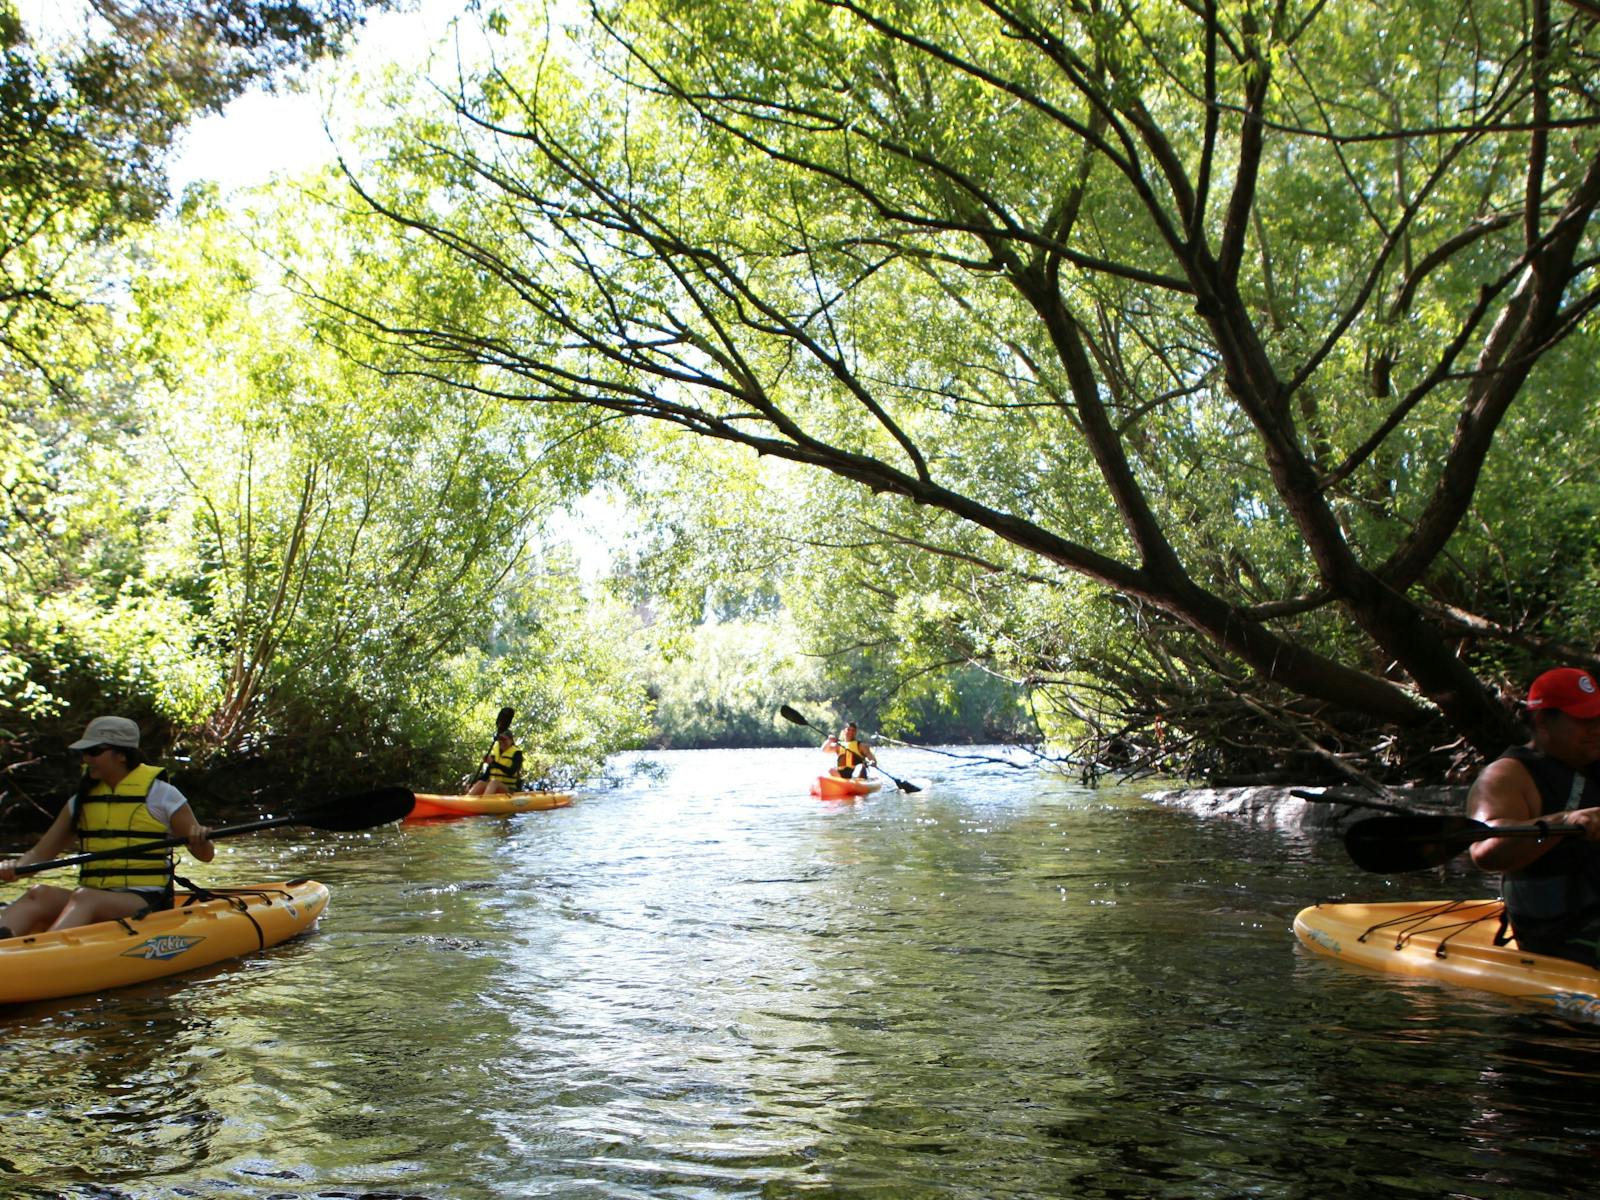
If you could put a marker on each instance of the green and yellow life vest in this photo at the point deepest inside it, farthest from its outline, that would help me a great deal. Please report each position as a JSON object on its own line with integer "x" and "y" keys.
{"x": 111, "y": 818}
{"x": 502, "y": 765}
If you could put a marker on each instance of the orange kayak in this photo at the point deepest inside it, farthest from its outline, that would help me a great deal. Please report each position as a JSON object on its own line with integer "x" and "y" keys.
{"x": 431, "y": 807}
{"x": 112, "y": 954}
{"x": 1452, "y": 941}
{"x": 831, "y": 787}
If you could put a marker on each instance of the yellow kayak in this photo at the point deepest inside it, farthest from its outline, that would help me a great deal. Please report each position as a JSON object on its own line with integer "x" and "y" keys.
{"x": 1451, "y": 941}
{"x": 112, "y": 954}
{"x": 429, "y": 806}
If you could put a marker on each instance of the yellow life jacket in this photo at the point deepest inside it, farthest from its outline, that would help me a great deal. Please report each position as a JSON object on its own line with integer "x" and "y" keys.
{"x": 109, "y": 818}
{"x": 849, "y": 752}
{"x": 502, "y": 768}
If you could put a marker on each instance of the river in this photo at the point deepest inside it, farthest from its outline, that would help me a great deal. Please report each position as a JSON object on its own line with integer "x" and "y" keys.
{"x": 700, "y": 983}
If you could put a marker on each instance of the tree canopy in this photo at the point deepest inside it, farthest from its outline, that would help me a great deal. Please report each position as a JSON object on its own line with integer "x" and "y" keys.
{"x": 1260, "y": 331}
{"x": 1205, "y": 385}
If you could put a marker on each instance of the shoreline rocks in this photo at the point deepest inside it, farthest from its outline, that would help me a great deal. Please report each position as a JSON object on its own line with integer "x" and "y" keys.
{"x": 1273, "y": 807}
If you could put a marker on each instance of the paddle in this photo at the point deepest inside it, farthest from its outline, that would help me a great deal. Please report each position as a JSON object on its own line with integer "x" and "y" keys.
{"x": 363, "y": 810}
{"x": 789, "y": 714}
{"x": 1391, "y": 844}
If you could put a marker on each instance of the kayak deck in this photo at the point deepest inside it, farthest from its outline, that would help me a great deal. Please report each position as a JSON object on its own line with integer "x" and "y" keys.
{"x": 432, "y": 807}
{"x": 831, "y": 787}
{"x": 1452, "y": 941}
{"x": 194, "y": 934}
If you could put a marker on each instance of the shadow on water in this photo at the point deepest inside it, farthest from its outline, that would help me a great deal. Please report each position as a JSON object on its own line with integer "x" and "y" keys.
{"x": 704, "y": 983}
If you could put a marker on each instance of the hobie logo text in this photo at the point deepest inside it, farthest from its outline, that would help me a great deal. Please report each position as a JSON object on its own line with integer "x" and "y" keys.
{"x": 169, "y": 946}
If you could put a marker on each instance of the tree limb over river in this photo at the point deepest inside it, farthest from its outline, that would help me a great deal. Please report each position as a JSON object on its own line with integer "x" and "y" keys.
{"x": 1273, "y": 324}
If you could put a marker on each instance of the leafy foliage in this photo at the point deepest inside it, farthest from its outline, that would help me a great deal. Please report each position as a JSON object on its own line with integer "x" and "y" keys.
{"x": 304, "y": 571}
{"x": 1248, "y": 318}
{"x": 85, "y": 124}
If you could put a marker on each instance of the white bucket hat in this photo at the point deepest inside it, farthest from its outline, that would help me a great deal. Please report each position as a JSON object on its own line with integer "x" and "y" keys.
{"x": 109, "y": 731}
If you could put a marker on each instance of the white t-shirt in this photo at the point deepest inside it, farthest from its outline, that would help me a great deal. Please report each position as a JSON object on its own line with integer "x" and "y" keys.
{"x": 161, "y": 803}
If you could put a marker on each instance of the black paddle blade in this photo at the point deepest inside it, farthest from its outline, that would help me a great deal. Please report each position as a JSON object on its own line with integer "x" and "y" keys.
{"x": 789, "y": 714}
{"x": 903, "y": 784}
{"x": 363, "y": 810}
{"x": 1391, "y": 844}
{"x": 503, "y": 721}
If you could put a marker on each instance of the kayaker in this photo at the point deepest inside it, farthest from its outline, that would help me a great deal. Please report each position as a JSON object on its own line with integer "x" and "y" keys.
{"x": 122, "y": 801}
{"x": 502, "y": 767}
{"x": 853, "y": 751}
{"x": 1551, "y": 886}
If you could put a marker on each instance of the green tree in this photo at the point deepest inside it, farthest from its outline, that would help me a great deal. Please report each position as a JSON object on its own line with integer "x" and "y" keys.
{"x": 766, "y": 589}
{"x": 1256, "y": 317}
{"x": 338, "y": 531}
{"x": 722, "y": 684}
{"x": 85, "y": 126}
{"x": 305, "y": 570}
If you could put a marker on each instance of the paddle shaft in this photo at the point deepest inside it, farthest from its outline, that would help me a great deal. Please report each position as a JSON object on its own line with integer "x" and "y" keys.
{"x": 360, "y": 811}
{"x": 141, "y": 847}
{"x": 1411, "y": 843}
{"x": 1539, "y": 830}
{"x": 899, "y": 783}
{"x": 1467, "y": 836}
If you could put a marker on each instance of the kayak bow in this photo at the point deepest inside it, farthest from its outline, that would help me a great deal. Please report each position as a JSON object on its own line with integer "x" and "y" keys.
{"x": 831, "y": 787}
{"x": 431, "y": 807}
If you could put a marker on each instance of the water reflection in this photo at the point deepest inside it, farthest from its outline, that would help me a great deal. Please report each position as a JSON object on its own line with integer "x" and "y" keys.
{"x": 704, "y": 983}
{"x": 104, "y": 1093}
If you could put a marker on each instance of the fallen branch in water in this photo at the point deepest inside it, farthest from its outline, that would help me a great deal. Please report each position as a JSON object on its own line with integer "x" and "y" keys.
{"x": 1330, "y": 796}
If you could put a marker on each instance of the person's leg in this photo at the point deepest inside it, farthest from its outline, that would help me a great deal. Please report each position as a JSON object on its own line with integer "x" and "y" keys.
{"x": 35, "y": 909}
{"x": 496, "y": 788}
{"x": 477, "y": 788}
{"x": 1575, "y": 940}
{"x": 1582, "y": 944}
{"x": 88, "y": 905}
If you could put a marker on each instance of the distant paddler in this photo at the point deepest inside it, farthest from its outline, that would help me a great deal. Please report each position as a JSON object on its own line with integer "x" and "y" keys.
{"x": 122, "y": 801}
{"x": 852, "y": 750}
{"x": 501, "y": 769}
{"x": 849, "y": 734}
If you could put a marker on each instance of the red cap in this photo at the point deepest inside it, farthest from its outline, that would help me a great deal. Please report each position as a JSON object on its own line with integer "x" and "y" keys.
{"x": 1568, "y": 689}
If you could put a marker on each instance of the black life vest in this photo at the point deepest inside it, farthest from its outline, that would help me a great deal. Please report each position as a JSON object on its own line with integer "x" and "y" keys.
{"x": 1562, "y": 885}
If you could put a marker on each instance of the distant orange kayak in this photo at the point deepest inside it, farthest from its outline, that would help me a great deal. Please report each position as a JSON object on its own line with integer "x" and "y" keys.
{"x": 831, "y": 787}
{"x": 431, "y": 807}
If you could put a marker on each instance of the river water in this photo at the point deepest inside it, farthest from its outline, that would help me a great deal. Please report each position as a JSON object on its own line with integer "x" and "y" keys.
{"x": 700, "y": 982}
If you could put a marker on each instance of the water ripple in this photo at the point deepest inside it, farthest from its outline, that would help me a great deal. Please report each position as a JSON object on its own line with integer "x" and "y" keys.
{"x": 1001, "y": 986}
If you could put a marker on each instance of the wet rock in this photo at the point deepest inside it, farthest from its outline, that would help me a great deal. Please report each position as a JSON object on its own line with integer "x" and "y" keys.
{"x": 1310, "y": 808}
